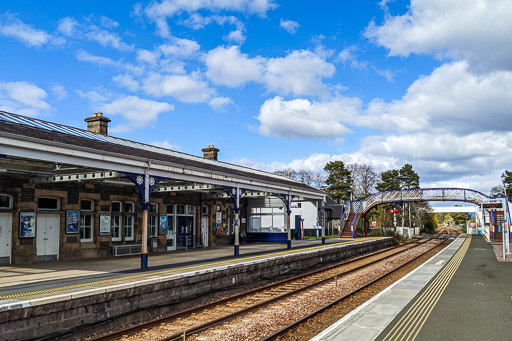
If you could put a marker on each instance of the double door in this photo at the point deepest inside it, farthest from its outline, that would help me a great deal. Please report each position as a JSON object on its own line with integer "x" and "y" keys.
{"x": 184, "y": 232}
{"x": 47, "y": 236}
{"x": 5, "y": 238}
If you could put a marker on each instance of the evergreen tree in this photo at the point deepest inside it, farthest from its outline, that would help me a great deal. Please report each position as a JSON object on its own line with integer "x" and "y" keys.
{"x": 339, "y": 181}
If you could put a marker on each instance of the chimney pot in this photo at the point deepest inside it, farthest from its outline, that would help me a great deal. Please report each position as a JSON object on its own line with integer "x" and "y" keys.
{"x": 97, "y": 123}
{"x": 210, "y": 153}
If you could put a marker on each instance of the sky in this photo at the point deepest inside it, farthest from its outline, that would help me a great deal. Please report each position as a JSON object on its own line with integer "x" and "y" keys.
{"x": 277, "y": 84}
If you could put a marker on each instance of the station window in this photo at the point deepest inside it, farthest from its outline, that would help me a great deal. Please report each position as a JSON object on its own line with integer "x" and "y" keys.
{"x": 48, "y": 204}
{"x": 5, "y": 202}
{"x": 86, "y": 226}
{"x": 266, "y": 219}
{"x": 116, "y": 206}
{"x": 86, "y": 220}
{"x": 153, "y": 226}
{"x": 128, "y": 227}
{"x": 116, "y": 221}
{"x": 129, "y": 207}
{"x": 116, "y": 227}
{"x": 153, "y": 208}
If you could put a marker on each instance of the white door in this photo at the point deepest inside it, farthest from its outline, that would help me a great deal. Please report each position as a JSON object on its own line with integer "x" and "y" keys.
{"x": 5, "y": 238}
{"x": 204, "y": 231}
{"x": 47, "y": 235}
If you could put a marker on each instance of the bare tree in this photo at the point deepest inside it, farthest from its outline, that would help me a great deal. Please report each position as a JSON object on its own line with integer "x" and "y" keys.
{"x": 305, "y": 176}
{"x": 288, "y": 172}
{"x": 364, "y": 180}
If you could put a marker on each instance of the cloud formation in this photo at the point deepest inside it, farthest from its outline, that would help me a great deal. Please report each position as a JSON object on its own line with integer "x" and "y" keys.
{"x": 289, "y": 26}
{"x": 477, "y": 31}
{"x": 24, "y": 98}
{"x": 10, "y": 26}
{"x": 298, "y": 73}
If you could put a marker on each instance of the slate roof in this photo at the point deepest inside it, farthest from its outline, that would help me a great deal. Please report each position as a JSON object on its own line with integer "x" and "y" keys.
{"x": 47, "y": 131}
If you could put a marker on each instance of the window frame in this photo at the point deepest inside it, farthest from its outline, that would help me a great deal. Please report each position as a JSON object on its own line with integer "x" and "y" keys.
{"x": 9, "y": 197}
{"x": 83, "y": 227}
{"x": 48, "y": 209}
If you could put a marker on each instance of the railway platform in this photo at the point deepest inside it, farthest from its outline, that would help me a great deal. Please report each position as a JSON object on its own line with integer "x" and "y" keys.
{"x": 462, "y": 293}
{"x": 84, "y": 292}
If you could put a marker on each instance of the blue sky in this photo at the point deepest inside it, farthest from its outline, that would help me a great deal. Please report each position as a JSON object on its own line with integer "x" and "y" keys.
{"x": 276, "y": 84}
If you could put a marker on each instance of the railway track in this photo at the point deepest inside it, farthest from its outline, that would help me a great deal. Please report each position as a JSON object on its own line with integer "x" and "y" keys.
{"x": 313, "y": 323}
{"x": 192, "y": 322}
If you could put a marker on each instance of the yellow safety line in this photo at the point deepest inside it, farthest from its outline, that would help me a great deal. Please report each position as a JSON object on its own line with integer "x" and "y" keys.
{"x": 46, "y": 291}
{"x": 419, "y": 312}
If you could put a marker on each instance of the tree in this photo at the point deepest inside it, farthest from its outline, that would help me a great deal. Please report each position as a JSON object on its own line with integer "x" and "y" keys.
{"x": 288, "y": 172}
{"x": 364, "y": 180}
{"x": 338, "y": 180}
{"x": 408, "y": 177}
{"x": 390, "y": 181}
{"x": 498, "y": 191}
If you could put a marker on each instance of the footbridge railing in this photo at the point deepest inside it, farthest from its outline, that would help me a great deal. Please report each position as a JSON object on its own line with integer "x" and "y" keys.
{"x": 424, "y": 194}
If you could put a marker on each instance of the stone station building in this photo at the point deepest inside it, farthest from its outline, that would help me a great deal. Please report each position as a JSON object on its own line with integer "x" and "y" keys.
{"x": 68, "y": 193}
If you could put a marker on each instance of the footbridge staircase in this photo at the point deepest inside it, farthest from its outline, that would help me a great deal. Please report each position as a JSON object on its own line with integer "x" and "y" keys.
{"x": 355, "y": 210}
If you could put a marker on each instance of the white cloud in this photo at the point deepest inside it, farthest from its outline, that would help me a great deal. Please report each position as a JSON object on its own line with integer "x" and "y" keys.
{"x": 166, "y": 144}
{"x": 180, "y": 48}
{"x": 477, "y": 31}
{"x": 23, "y": 98}
{"x": 186, "y": 88}
{"x": 451, "y": 99}
{"x": 11, "y": 26}
{"x": 473, "y": 161}
{"x": 105, "y": 38}
{"x": 59, "y": 91}
{"x": 68, "y": 26}
{"x": 289, "y": 26}
{"x": 236, "y": 36}
{"x": 300, "y": 118}
{"x": 85, "y": 56}
{"x": 93, "y": 96}
{"x": 219, "y": 103}
{"x": 298, "y": 73}
{"x": 126, "y": 81}
{"x": 139, "y": 112}
{"x": 150, "y": 57}
{"x": 227, "y": 66}
{"x": 158, "y": 12}
{"x": 347, "y": 56}
{"x": 71, "y": 28}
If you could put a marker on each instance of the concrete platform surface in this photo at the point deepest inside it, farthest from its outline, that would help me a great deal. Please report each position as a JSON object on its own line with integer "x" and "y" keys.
{"x": 59, "y": 280}
{"x": 462, "y": 293}
{"x": 372, "y": 318}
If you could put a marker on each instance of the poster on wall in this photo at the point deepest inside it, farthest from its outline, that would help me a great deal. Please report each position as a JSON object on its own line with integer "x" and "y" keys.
{"x": 163, "y": 225}
{"x": 104, "y": 224}
{"x": 27, "y": 224}
{"x": 72, "y": 217}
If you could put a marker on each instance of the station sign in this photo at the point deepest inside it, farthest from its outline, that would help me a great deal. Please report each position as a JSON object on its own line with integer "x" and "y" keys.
{"x": 493, "y": 205}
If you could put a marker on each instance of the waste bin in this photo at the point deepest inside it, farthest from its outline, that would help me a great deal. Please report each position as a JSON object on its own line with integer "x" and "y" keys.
{"x": 153, "y": 244}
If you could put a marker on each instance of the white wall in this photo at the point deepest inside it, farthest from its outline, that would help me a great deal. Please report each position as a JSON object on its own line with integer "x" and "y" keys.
{"x": 307, "y": 211}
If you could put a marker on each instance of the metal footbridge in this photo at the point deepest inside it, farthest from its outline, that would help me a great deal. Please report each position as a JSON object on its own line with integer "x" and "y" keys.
{"x": 356, "y": 209}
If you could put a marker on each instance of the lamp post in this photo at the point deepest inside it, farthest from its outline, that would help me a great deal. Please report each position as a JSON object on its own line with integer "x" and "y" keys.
{"x": 507, "y": 237}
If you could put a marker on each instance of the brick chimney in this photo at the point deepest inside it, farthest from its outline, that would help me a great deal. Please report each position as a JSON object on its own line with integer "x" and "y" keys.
{"x": 97, "y": 123}
{"x": 210, "y": 152}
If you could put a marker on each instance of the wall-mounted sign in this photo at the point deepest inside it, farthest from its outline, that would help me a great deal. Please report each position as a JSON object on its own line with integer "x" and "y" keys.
{"x": 104, "y": 224}
{"x": 163, "y": 225}
{"x": 72, "y": 217}
{"x": 27, "y": 224}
